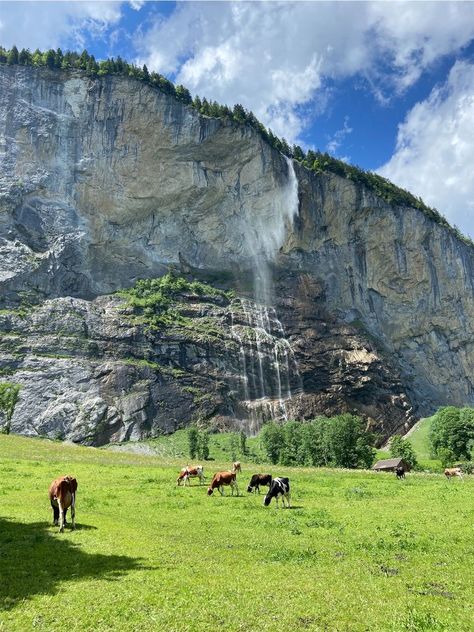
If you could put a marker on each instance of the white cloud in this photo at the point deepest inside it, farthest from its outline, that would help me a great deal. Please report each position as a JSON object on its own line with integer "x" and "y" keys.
{"x": 416, "y": 34}
{"x": 275, "y": 57}
{"x": 339, "y": 136}
{"x": 435, "y": 149}
{"x": 271, "y": 57}
{"x": 46, "y": 25}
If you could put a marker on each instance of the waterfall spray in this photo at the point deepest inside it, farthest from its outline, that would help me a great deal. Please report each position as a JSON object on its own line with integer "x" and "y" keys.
{"x": 266, "y": 359}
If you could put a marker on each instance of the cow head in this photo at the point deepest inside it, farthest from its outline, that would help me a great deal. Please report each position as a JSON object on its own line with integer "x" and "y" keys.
{"x": 250, "y": 489}
{"x": 266, "y": 500}
{"x": 210, "y": 491}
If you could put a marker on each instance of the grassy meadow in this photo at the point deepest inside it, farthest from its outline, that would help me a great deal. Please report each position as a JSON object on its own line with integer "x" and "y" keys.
{"x": 358, "y": 550}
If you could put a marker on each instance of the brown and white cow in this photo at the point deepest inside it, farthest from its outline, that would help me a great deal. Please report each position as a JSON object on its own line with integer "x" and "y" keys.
{"x": 220, "y": 479}
{"x": 236, "y": 467}
{"x": 193, "y": 471}
{"x": 62, "y": 495}
{"x": 451, "y": 472}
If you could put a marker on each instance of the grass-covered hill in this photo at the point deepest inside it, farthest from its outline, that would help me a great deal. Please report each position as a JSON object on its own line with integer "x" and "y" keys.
{"x": 358, "y": 551}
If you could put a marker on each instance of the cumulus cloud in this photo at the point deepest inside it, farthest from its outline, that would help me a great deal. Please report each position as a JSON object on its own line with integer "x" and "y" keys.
{"x": 276, "y": 58}
{"x": 413, "y": 35}
{"x": 46, "y": 25}
{"x": 435, "y": 153}
{"x": 271, "y": 57}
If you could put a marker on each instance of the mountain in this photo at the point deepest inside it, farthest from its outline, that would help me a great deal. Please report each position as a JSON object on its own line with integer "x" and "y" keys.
{"x": 340, "y": 300}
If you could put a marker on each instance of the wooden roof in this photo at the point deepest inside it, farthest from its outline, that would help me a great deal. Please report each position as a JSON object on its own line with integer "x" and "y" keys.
{"x": 389, "y": 464}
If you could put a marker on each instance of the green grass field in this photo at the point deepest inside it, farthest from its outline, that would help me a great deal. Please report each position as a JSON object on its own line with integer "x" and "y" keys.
{"x": 358, "y": 551}
{"x": 419, "y": 438}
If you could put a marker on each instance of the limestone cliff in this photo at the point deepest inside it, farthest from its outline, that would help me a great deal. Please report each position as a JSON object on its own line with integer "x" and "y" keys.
{"x": 104, "y": 181}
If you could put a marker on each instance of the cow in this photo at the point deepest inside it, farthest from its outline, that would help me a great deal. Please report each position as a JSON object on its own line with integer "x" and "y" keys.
{"x": 236, "y": 467}
{"x": 400, "y": 472}
{"x": 190, "y": 472}
{"x": 257, "y": 480}
{"x": 279, "y": 487}
{"x": 62, "y": 495}
{"x": 223, "y": 478}
{"x": 450, "y": 472}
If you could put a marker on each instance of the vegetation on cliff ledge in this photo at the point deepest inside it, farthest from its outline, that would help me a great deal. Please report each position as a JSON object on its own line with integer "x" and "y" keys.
{"x": 154, "y": 301}
{"x": 313, "y": 160}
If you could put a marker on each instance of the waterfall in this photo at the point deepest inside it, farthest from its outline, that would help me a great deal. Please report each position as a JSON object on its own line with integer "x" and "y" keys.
{"x": 267, "y": 232}
{"x": 267, "y": 365}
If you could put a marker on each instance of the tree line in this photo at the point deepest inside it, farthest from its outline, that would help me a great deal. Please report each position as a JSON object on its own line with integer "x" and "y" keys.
{"x": 452, "y": 434}
{"x": 316, "y": 161}
{"x": 339, "y": 441}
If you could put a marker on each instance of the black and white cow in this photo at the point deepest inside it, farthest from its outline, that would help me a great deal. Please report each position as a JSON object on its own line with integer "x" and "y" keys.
{"x": 280, "y": 487}
{"x": 400, "y": 472}
{"x": 257, "y": 480}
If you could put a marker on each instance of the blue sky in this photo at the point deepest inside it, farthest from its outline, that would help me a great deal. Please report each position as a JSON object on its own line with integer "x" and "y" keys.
{"x": 385, "y": 85}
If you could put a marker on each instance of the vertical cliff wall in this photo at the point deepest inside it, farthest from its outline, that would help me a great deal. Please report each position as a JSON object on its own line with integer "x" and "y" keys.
{"x": 107, "y": 180}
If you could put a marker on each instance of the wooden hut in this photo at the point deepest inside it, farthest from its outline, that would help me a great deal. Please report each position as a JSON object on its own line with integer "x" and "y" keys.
{"x": 390, "y": 465}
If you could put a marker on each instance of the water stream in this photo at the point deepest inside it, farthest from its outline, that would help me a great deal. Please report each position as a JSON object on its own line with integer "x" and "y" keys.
{"x": 268, "y": 371}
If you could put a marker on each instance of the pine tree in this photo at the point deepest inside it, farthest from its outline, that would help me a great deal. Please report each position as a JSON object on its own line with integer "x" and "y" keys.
{"x": 49, "y": 58}
{"x": 24, "y": 58}
{"x": 193, "y": 441}
{"x": 12, "y": 57}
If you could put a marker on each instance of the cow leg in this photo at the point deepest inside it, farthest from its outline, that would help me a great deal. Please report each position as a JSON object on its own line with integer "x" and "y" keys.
{"x": 55, "y": 514}
{"x": 61, "y": 516}
{"x": 73, "y": 511}
{"x": 65, "y": 516}
{"x": 221, "y": 490}
{"x": 288, "y": 499}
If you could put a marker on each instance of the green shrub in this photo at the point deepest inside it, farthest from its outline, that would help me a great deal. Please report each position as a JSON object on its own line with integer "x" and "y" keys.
{"x": 193, "y": 441}
{"x": 8, "y": 398}
{"x": 402, "y": 448}
{"x": 452, "y": 434}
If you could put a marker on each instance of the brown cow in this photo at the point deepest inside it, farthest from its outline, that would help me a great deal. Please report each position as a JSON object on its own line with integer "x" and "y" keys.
{"x": 62, "y": 495}
{"x": 257, "y": 480}
{"x": 190, "y": 472}
{"x": 236, "y": 467}
{"x": 450, "y": 472}
{"x": 220, "y": 479}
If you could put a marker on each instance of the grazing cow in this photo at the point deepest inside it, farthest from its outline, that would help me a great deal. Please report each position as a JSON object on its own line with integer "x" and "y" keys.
{"x": 257, "y": 480}
{"x": 400, "y": 472}
{"x": 450, "y": 472}
{"x": 280, "y": 487}
{"x": 190, "y": 472}
{"x": 236, "y": 467}
{"x": 223, "y": 478}
{"x": 62, "y": 495}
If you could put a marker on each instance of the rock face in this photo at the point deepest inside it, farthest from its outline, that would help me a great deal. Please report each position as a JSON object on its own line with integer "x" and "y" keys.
{"x": 104, "y": 181}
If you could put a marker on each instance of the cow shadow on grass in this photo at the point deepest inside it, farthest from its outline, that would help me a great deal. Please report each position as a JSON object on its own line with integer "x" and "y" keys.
{"x": 35, "y": 560}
